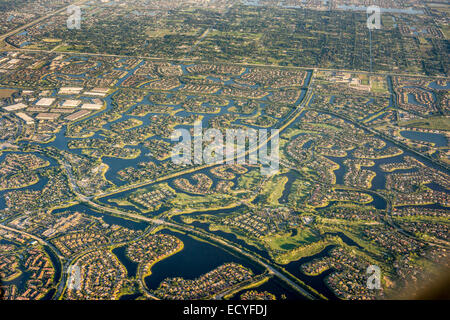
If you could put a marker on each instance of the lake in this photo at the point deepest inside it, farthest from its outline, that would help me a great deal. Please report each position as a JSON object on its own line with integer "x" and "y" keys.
{"x": 438, "y": 139}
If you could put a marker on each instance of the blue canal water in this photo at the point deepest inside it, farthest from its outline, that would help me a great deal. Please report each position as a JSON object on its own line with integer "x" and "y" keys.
{"x": 196, "y": 259}
{"x": 438, "y": 139}
{"x": 434, "y": 85}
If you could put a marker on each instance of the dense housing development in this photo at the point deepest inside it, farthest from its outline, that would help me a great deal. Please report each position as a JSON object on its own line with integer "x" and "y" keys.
{"x": 93, "y": 207}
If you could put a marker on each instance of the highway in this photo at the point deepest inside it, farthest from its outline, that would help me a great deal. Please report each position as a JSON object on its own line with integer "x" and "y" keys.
{"x": 204, "y": 235}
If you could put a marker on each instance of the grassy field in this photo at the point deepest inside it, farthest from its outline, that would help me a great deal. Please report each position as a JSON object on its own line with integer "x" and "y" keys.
{"x": 188, "y": 203}
{"x": 286, "y": 242}
{"x": 435, "y": 123}
{"x": 379, "y": 85}
{"x": 306, "y": 251}
{"x": 249, "y": 180}
{"x": 274, "y": 190}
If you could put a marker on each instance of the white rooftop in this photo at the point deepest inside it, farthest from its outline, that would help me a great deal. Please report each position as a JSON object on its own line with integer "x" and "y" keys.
{"x": 15, "y": 107}
{"x": 45, "y": 102}
{"x": 71, "y": 103}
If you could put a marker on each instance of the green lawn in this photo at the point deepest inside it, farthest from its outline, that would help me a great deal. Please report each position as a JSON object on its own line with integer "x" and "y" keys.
{"x": 274, "y": 190}
{"x": 436, "y": 123}
{"x": 286, "y": 242}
